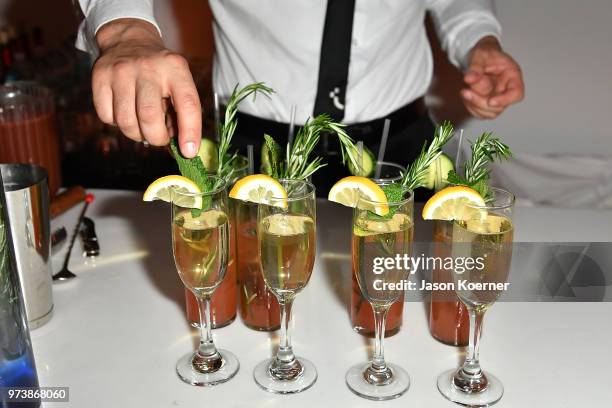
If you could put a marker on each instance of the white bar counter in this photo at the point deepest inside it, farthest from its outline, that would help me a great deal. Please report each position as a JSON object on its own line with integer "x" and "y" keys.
{"x": 119, "y": 328}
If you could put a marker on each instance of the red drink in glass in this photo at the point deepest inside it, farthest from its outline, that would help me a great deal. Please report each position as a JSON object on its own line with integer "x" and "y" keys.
{"x": 448, "y": 316}
{"x": 259, "y": 308}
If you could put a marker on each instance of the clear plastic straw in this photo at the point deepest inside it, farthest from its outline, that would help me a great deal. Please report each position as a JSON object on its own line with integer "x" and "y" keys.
{"x": 382, "y": 148}
{"x": 291, "y": 125}
{"x": 217, "y": 116}
{"x": 458, "y": 155}
{"x": 251, "y": 158}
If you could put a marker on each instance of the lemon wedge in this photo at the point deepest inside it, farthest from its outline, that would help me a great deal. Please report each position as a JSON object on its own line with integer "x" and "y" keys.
{"x": 348, "y": 190}
{"x": 260, "y": 189}
{"x": 454, "y": 203}
{"x": 160, "y": 190}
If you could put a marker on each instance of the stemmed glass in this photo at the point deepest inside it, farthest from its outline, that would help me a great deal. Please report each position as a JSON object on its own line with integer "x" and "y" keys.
{"x": 486, "y": 235}
{"x": 380, "y": 237}
{"x": 286, "y": 243}
{"x": 200, "y": 245}
{"x": 361, "y": 311}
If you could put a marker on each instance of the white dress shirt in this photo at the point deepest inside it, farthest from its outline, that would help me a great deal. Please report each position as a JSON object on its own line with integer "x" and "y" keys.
{"x": 279, "y": 41}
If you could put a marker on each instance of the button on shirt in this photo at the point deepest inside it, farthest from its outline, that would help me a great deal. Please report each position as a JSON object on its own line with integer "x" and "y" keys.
{"x": 279, "y": 42}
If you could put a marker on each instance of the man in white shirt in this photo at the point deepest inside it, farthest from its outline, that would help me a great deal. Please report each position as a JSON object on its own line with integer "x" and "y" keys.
{"x": 287, "y": 45}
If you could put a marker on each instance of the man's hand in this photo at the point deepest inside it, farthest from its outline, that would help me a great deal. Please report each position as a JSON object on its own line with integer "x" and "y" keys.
{"x": 136, "y": 79}
{"x": 493, "y": 78}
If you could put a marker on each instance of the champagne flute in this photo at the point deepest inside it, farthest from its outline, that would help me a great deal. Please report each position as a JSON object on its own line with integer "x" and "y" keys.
{"x": 376, "y": 237}
{"x": 286, "y": 242}
{"x": 361, "y": 311}
{"x": 200, "y": 245}
{"x": 487, "y": 235}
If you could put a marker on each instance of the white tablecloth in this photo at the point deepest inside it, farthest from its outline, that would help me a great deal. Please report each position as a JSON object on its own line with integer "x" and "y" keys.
{"x": 119, "y": 328}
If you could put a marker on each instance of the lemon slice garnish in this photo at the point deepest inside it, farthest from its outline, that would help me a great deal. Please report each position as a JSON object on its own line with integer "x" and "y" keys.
{"x": 260, "y": 189}
{"x": 348, "y": 190}
{"x": 454, "y": 203}
{"x": 160, "y": 190}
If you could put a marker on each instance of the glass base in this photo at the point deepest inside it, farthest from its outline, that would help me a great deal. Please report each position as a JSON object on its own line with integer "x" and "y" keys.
{"x": 398, "y": 385}
{"x": 489, "y": 396}
{"x": 187, "y": 373}
{"x": 302, "y": 382}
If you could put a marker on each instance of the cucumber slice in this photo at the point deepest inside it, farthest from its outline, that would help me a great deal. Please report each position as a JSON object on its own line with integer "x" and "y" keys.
{"x": 270, "y": 158}
{"x": 266, "y": 167}
{"x": 368, "y": 163}
{"x": 209, "y": 154}
{"x": 443, "y": 164}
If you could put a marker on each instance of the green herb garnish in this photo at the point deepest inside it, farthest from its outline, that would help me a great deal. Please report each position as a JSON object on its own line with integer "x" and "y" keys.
{"x": 394, "y": 193}
{"x": 195, "y": 171}
{"x": 416, "y": 174}
{"x": 192, "y": 168}
{"x": 228, "y": 126}
{"x": 485, "y": 150}
{"x": 274, "y": 156}
{"x": 298, "y": 164}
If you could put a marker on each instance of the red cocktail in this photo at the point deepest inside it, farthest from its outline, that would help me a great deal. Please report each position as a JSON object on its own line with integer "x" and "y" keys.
{"x": 259, "y": 308}
{"x": 448, "y": 316}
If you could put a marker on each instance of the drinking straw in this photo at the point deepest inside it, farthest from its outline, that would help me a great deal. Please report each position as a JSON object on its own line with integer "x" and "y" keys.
{"x": 360, "y": 149}
{"x": 250, "y": 158}
{"x": 458, "y": 155}
{"x": 383, "y": 146}
{"x": 291, "y": 125}
{"x": 217, "y": 116}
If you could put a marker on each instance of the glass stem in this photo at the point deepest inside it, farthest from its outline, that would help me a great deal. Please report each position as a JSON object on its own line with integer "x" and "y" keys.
{"x": 380, "y": 321}
{"x": 471, "y": 366}
{"x": 285, "y": 351}
{"x": 207, "y": 346}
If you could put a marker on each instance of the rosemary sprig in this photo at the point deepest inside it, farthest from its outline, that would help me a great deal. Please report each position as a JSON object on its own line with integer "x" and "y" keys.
{"x": 298, "y": 164}
{"x": 416, "y": 173}
{"x": 229, "y": 124}
{"x": 347, "y": 146}
{"x": 485, "y": 150}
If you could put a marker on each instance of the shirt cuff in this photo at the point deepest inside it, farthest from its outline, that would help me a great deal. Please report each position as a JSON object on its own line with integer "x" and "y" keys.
{"x": 103, "y": 12}
{"x": 467, "y": 38}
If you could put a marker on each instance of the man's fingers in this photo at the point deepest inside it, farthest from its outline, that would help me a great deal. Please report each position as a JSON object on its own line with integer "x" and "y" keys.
{"x": 102, "y": 95}
{"x": 504, "y": 78}
{"x": 472, "y": 77}
{"x": 514, "y": 93}
{"x": 473, "y": 73}
{"x": 124, "y": 107}
{"x": 496, "y": 68}
{"x": 149, "y": 109}
{"x": 481, "y": 113}
{"x": 189, "y": 115}
{"x": 478, "y": 101}
{"x": 483, "y": 87}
